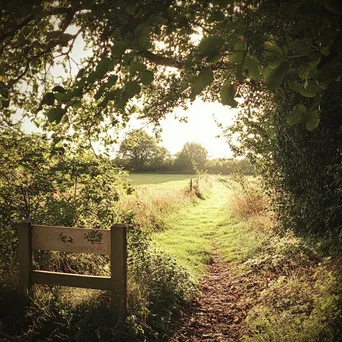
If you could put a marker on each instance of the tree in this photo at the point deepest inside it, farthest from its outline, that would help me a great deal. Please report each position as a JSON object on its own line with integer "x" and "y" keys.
{"x": 140, "y": 152}
{"x": 191, "y": 158}
{"x": 287, "y": 47}
{"x": 284, "y": 58}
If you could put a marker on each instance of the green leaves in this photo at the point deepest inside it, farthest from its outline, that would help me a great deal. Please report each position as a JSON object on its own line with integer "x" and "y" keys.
{"x": 216, "y": 16}
{"x": 204, "y": 78}
{"x": 131, "y": 89}
{"x": 272, "y": 50}
{"x": 252, "y": 65}
{"x": 56, "y": 114}
{"x": 307, "y": 89}
{"x": 110, "y": 82}
{"x": 142, "y": 34}
{"x": 210, "y": 48}
{"x": 4, "y": 95}
{"x": 273, "y": 78}
{"x": 59, "y": 89}
{"x": 147, "y": 77}
{"x": 48, "y": 99}
{"x": 295, "y": 116}
{"x": 135, "y": 67}
{"x": 227, "y": 94}
{"x": 300, "y": 114}
{"x": 238, "y": 52}
{"x": 103, "y": 66}
{"x": 313, "y": 120}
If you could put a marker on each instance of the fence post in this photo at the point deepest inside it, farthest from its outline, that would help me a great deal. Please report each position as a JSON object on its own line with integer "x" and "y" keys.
{"x": 119, "y": 271}
{"x": 25, "y": 256}
{"x": 190, "y": 184}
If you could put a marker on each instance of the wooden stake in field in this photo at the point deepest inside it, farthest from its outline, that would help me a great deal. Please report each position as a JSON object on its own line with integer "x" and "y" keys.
{"x": 79, "y": 240}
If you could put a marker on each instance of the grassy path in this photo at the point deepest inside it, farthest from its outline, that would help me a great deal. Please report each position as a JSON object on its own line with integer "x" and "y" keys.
{"x": 196, "y": 232}
{"x": 203, "y": 238}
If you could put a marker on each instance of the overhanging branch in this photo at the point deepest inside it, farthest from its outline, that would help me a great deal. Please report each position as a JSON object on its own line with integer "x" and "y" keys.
{"x": 180, "y": 64}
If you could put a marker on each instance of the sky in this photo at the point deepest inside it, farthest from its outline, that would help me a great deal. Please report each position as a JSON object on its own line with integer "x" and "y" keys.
{"x": 200, "y": 126}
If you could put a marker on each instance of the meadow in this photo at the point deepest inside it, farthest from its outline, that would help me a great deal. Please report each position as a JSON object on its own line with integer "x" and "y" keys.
{"x": 171, "y": 181}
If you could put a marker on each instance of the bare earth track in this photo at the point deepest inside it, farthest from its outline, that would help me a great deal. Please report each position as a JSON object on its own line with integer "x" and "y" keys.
{"x": 220, "y": 311}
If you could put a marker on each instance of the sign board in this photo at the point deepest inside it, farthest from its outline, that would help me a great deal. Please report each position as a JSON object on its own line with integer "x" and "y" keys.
{"x": 77, "y": 240}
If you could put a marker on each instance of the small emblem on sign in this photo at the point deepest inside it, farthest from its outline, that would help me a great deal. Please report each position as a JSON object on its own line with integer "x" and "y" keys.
{"x": 65, "y": 238}
{"x": 94, "y": 237}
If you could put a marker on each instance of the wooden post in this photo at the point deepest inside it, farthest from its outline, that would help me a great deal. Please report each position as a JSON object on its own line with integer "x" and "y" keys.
{"x": 25, "y": 256}
{"x": 190, "y": 184}
{"x": 119, "y": 271}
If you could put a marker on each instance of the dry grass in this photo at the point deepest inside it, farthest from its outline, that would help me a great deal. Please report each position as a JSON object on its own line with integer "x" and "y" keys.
{"x": 299, "y": 296}
{"x": 149, "y": 206}
{"x": 249, "y": 205}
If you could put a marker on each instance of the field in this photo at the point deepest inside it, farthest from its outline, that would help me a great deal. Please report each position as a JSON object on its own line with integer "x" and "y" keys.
{"x": 174, "y": 181}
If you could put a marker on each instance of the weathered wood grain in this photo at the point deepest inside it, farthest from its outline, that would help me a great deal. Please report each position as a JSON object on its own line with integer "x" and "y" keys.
{"x": 72, "y": 280}
{"x": 65, "y": 239}
{"x": 119, "y": 271}
{"x": 24, "y": 256}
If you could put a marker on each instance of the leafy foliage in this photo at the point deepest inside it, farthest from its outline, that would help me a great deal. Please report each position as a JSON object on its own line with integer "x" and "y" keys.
{"x": 39, "y": 183}
{"x": 284, "y": 45}
{"x": 299, "y": 167}
{"x": 140, "y": 152}
{"x": 191, "y": 158}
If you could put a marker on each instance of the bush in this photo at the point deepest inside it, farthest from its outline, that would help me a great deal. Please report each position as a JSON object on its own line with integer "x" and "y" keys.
{"x": 158, "y": 290}
{"x": 300, "y": 168}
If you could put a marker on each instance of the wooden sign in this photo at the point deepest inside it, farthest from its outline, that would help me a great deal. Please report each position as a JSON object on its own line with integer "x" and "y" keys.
{"x": 80, "y": 240}
{"x": 77, "y": 240}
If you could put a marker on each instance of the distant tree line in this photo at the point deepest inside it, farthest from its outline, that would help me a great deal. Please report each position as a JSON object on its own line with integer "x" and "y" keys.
{"x": 140, "y": 152}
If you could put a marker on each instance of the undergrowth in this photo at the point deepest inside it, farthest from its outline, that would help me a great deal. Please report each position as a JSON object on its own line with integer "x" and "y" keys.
{"x": 300, "y": 292}
{"x": 158, "y": 288}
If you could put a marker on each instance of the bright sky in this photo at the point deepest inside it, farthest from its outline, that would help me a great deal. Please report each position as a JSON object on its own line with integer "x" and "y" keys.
{"x": 200, "y": 128}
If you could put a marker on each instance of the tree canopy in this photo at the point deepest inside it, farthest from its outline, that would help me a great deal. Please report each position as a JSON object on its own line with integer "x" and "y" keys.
{"x": 191, "y": 158}
{"x": 146, "y": 59}
{"x": 140, "y": 152}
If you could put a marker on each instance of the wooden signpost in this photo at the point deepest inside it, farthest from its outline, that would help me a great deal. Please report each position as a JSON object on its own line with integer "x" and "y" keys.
{"x": 78, "y": 240}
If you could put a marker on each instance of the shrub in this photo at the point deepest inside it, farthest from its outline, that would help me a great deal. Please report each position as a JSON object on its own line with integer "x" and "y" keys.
{"x": 67, "y": 190}
{"x": 300, "y": 168}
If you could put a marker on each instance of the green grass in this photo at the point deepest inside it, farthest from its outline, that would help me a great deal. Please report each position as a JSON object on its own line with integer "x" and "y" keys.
{"x": 192, "y": 234}
{"x": 173, "y": 181}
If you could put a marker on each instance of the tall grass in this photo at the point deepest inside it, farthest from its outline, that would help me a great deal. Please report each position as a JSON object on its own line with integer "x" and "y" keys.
{"x": 149, "y": 206}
